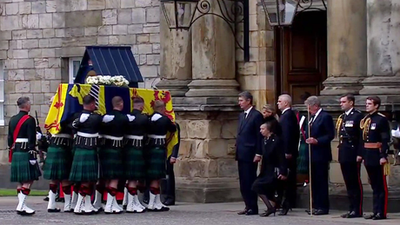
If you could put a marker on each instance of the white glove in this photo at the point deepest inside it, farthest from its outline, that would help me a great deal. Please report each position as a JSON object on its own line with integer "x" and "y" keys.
{"x": 38, "y": 136}
{"x": 32, "y": 162}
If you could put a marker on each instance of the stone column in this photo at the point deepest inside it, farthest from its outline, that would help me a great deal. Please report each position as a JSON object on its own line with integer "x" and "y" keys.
{"x": 383, "y": 76}
{"x": 347, "y": 40}
{"x": 176, "y": 60}
{"x": 207, "y": 170}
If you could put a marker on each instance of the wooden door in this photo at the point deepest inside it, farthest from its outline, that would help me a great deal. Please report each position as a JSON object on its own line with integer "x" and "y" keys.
{"x": 302, "y": 54}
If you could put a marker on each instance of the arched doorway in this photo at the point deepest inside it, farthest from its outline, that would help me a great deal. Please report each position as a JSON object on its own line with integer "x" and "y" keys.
{"x": 301, "y": 55}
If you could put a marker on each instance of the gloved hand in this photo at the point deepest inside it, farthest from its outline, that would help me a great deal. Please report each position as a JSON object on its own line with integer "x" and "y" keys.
{"x": 38, "y": 136}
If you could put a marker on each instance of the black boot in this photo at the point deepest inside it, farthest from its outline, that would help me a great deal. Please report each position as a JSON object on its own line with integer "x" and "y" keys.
{"x": 271, "y": 209}
{"x": 285, "y": 208}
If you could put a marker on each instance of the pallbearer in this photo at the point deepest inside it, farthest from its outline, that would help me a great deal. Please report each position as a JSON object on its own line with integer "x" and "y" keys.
{"x": 134, "y": 165}
{"x": 350, "y": 154}
{"x": 376, "y": 138}
{"x": 160, "y": 124}
{"x": 113, "y": 128}
{"x": 58, "y": 166}
{"x": 85, "y": 162}
{"x": 22, "y": 141}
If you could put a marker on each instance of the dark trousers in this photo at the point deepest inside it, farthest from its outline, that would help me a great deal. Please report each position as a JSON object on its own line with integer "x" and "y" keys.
{"x": 320, "y": 185}
{"x": 168, "y": 185}
{"x": 352, "y": 179}
{"x": 379, "y": 189}
{"x": 247, "y": 176}
{"x": 291, "y": 183}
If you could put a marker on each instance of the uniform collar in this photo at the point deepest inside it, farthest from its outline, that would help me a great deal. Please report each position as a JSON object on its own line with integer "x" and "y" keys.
{"x": 348, "y": 111}
{"x": 285, "y": 110}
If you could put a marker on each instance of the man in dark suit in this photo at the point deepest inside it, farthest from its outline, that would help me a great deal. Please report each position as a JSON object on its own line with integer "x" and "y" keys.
{"x": 248, "y": 151}
{"x": 320, "y": 137}
{"x": 290, "y": 137}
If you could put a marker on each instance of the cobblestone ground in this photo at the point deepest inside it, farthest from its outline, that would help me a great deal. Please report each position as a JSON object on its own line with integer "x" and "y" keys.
{"x": 181, "y": 214}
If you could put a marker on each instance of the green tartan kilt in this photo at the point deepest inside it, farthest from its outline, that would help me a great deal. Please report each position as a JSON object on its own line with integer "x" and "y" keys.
{"x": 22, "y": 170}
{"x": 156, "y": 168}
{"x": 84, "y": 166}
{"x": 134, "y": 164}
{"x": 58, "y": 163}
{"x": 302, "y": 160}
{"x": 110, "y": 163}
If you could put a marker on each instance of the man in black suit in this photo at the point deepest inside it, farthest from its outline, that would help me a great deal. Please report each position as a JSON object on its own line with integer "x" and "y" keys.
{"x": 248, "y": 151}
{"x": 350, "y": 153}
{"x": 320, "y": 137}
{"x": 290, "y": 138}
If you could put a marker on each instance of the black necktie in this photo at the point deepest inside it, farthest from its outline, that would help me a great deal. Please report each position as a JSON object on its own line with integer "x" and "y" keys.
{"x": 245, "y": 115}
{"x": 312, "y": 120}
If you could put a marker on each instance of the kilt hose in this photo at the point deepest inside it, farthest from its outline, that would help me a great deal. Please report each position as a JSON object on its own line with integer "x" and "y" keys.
{"x": 21, "y": 169}
{"x": 156, "y": 167}
{"x": 84, "y": 165}
{"x": 110, "y": 163}
{"x": 58, "y": 163}
{"x": 134, "y": 164}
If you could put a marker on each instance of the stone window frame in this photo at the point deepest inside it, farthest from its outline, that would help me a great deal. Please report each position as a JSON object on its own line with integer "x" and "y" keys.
{"x": 71, "y": 72}
{"x": 2, "y": 92}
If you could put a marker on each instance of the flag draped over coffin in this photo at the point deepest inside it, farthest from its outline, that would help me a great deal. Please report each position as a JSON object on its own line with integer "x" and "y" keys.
{"x": 69, "y": 100}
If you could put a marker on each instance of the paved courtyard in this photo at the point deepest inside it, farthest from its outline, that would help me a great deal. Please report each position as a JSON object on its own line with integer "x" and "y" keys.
{"x": 181, "y": 214}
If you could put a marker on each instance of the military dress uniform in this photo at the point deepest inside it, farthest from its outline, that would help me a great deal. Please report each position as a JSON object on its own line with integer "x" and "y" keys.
{"x": 24, "y": 166}
{"x": 349, "y": 134}
{"x": 84, "y": 167}
{"x": 134, "y": 164}
{"x": 376, "y": 138}
{"x": 113, "y": 128}
{"x": 157, "y": 147}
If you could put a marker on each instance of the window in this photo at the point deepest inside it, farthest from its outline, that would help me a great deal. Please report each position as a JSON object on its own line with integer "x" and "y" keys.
{"x": 2, "y": 76}
{"x": 74, "y": 64}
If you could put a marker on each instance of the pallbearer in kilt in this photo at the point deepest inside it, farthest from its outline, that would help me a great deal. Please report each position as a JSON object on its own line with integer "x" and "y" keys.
{"x": 376, "y": 137}
{"x": 85, "y": 161}
{"x": 134, "y": 165}
{"x": 159, "y": 126}
{"x": 22, "y": 141}
{"x": 350, "y": 154}
{"x": 58, "y": 166}
{"x": 114, "y": 125}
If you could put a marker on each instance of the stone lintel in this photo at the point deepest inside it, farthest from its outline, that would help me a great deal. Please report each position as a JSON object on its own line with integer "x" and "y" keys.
{"x": 213, "y": 88}
{"x": 175, "y": 87}
{"x": 336, "y": 86}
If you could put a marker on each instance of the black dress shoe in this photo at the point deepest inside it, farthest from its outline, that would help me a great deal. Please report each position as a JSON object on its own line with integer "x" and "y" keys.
{"x": 369, "y": 217}
{"x": 242, "y": 212}
{"x": 379, "y": 216}
{"x": 320, "y": 212}
{"x": 169, "y": 202}
{"x": 251, "y": 212}
{"x": 353, "y": 214}
{"x": 308, "y": 211}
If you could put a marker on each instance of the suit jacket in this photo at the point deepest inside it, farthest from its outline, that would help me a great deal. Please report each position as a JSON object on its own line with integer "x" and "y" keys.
{"x": 323, "y": 130}
{"x": 249, "y": 138}
{"x": 290, "y": 132}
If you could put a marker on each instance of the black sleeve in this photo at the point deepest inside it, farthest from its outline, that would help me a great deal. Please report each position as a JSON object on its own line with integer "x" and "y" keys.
{"x": 10, "y": 135}
{"x": 31, "y": 131}
{"x": 280, "y": 156}
{"x": 257, "y": 123}
{"x": 175, "y": 150}
{"x": 360, "y": 147}
{"x": 171, "y": 126}
{"x": 385, "y": 137}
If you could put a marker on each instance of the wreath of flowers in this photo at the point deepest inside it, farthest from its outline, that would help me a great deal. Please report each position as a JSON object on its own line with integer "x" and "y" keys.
{"x": 108, "y": 80}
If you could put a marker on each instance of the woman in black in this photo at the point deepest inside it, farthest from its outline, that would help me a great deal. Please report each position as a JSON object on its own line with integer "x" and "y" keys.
{"x": 270, "y": 115}
{"x": 273, "y": 168}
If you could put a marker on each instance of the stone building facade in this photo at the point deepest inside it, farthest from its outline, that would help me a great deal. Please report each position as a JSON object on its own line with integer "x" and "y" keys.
{"x": 350, "y": 47}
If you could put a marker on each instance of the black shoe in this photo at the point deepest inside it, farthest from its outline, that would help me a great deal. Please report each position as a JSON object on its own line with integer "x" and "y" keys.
{"x": 46, "y": 199}
{"x": 308, "y": 211}
{"x": 353, "y": 214}
{"x": 379, "y": 216}
{"x": 53, "y": 210}
{"x": 251, "y": 212}
{"x": 369, "y": 217}
{"x": 268, "y": 212}
{"x": 285, "y": 209}
{"x": 320, "y": 212}
{"x": 146, "y": 201}
{"x": 243, "y": 212}
{"x": 169, "y": 202}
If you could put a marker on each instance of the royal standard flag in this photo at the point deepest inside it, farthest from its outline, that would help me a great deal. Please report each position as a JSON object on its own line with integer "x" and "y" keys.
{"x": 69, "y": 100}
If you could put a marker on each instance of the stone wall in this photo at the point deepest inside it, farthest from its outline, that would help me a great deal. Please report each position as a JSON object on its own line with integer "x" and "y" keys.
{"x": 257, "y": 75}
{"x": 37, "y": 37}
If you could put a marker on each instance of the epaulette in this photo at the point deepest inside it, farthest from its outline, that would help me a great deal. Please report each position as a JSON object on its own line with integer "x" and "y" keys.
{"x": 357, "y": 110}
{"x": 381, "y": 114}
